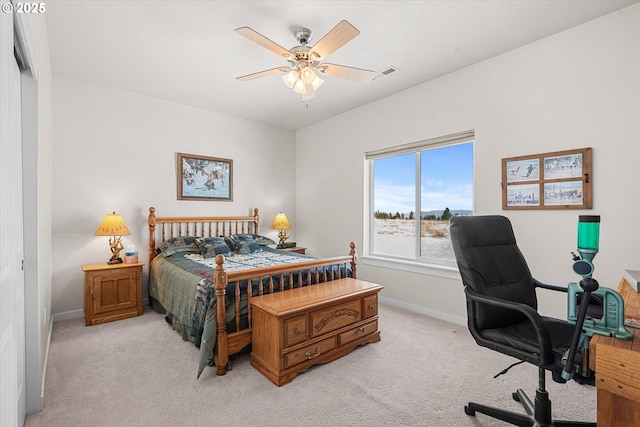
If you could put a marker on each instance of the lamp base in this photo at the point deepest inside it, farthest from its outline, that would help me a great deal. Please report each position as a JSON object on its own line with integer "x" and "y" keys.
{"x": 283, "y": 236}
{"x": 115, "y": 261}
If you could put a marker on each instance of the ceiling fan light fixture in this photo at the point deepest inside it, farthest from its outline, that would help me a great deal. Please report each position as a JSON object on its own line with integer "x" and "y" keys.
{"x": 301, "y": 74}
{"x": 308, "y": 94}
{"x": 299, "y": 87}
{"x": 307, "y": 75}
{"x": 290, "y": 78}
{"x": 317, "y": 82}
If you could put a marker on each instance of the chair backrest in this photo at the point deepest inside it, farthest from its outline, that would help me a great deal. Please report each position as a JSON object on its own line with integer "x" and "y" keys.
{"x": 491, "y": 264}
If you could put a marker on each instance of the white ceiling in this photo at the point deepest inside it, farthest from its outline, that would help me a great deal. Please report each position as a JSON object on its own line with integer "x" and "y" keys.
{"x": 188, "y": 51}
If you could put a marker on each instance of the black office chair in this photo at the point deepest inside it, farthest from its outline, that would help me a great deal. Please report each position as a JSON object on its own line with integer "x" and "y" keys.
{"x": 502, "y": 313}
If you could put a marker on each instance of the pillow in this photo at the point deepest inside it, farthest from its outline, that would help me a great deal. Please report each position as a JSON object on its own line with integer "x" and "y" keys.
{"x": 263, "y": 241}
{"x": 179, "y": 244}
{"x": 245, "y": 244}
{"x": 212, "y": 246}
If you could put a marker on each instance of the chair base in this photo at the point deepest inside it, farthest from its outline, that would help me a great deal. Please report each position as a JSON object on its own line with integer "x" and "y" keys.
{"x": 538, "y": 414}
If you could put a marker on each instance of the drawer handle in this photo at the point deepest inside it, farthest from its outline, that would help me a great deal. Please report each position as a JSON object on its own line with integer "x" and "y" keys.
{"x": 296, "y": 331}
{"x": 372, "y": 307}
{"x": 357, "y": 331}
{"x": 308, "y": 354}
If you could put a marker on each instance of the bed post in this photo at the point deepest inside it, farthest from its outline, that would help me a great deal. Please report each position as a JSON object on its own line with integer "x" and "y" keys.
{"x": 152, "y": 234}
{"x": 256, "y": 221}
{"x": 353, "y": 253}
{"x": 222, "y": 345}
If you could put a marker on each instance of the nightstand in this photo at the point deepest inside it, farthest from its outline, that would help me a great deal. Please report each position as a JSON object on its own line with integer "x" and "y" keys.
{"x": 112, "y": 292}
{"x": 297, "y": 249}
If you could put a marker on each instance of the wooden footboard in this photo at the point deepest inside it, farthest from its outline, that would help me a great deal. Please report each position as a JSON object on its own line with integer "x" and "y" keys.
{"x": 313, "y": 271}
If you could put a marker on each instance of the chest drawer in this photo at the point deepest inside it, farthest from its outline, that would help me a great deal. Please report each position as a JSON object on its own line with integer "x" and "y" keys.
{"x": 309, "y": 352}
{"x": 370, "y": 306}
{"x": 335, "y": 317}
{"x": 358, "y": 332}
{"x": 295, "y": 330}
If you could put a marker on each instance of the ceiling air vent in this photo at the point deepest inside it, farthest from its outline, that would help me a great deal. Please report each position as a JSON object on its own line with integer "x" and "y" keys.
{"x": 385, "y": 72}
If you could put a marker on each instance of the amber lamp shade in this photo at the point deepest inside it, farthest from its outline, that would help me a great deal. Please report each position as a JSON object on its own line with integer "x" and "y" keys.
{"x": 113, "y": 225}
{"x": 281, "y": 222}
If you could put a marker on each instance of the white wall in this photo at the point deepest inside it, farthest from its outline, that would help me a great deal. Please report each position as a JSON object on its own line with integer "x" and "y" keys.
{"x": 116, "y": 151}
{"x": 579, "y": 88}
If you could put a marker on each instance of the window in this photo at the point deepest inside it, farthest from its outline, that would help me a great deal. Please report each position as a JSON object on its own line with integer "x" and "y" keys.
{"x": 413, "y": 191}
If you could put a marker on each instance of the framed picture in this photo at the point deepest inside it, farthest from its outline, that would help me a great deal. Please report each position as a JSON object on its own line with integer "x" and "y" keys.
{"x": 523, "y": 170}
{"x": 523, "y": 195}
{"x": 204, "y": 178}
{"x": 563, "y": 193}
{"x": 557, "y": 180}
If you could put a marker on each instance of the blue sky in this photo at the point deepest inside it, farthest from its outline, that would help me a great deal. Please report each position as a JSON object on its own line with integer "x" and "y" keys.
{"x": 446, "y": 180}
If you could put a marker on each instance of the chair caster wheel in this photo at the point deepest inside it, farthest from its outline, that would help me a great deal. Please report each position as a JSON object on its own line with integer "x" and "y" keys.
{"x": 469, "y": 411}
{"x": 515, "y": 396}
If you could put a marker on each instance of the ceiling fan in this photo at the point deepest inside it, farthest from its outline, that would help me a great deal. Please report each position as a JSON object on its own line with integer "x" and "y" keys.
{"x": 304, "y": 61}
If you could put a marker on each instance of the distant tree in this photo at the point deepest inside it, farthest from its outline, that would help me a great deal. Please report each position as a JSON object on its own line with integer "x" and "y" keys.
{"x": 380, "y": 215}
{"x": 411, "y": 217}
{"x": 397, "y": 215}
{"x": 446, "y": 215}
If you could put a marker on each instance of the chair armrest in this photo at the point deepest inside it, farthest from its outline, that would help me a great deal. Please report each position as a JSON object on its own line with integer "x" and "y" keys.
{"x": 539, "y": 284}
{"x": 544, "y": 340}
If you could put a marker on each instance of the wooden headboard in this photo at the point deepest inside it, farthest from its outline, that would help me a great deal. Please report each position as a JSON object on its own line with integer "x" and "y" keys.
{"x": 161, "y": 229}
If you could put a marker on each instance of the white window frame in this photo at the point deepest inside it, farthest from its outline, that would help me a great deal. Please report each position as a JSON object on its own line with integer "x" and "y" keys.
{"x": 417, "y": 265}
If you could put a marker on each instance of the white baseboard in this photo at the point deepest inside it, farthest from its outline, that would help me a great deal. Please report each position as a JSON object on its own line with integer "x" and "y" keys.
{"x": 46, "y": 362}
{"x": 74, "y": 314}
{"x": 459, "y": 320}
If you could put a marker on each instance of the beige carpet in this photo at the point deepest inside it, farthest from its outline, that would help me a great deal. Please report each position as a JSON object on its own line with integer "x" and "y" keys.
{"x": 139, "y": 372}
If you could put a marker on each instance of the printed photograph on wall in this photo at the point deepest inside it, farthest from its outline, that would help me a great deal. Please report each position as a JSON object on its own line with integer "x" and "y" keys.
{"x": 557, "y": 167}
{"x": 556, "y": 180}
{"x": 523, "y": 170}
{"x": 204, "y": 178}
{"x": 563, "y": 193}
{"x": 523, "y": 195}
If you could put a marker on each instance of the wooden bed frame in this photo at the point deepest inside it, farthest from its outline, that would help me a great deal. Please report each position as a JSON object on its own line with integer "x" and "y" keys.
{"x": 228, "y": 343}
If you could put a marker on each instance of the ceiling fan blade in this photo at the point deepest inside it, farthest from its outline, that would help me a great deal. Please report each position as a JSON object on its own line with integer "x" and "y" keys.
{"x": 343, "y": 72}
{"x": 263, "y": 41}
{"x": 334, "y": 39}
{"x": 264, "y": 73}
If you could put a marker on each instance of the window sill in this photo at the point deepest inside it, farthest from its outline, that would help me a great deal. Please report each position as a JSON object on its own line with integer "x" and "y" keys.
{"x": 412, "y": 266}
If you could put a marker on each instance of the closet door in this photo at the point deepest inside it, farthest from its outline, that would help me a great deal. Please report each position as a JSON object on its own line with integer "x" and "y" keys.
{"x": 12, "y": 323}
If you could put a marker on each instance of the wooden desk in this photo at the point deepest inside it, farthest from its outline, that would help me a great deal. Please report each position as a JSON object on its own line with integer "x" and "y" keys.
{"x": 617, "y": 367}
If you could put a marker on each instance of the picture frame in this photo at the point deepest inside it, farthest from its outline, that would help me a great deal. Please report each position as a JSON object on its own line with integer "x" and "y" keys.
{"x": 204, "y": 178}
{"x": 555, "y": 180}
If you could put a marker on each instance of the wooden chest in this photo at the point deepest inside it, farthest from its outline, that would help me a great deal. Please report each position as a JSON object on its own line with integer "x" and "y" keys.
{"x": 296, "y": 329}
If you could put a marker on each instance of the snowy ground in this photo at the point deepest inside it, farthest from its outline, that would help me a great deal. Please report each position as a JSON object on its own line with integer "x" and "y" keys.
{"x": 395, "y": 237}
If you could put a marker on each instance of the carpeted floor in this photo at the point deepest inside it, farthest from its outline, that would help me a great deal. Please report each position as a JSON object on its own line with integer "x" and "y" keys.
{"x": 139, "y": 372}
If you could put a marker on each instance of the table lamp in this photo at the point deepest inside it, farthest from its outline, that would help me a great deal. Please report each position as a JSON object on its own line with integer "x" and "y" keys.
{"x": 113, "y": 225}
{"x": 281, "y": 222}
